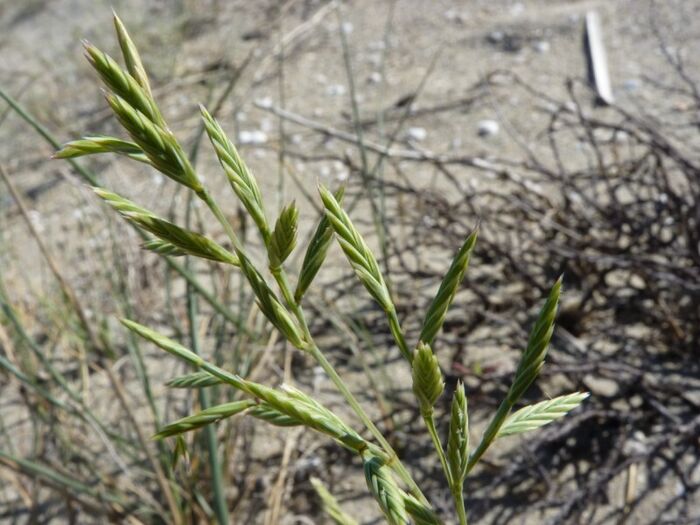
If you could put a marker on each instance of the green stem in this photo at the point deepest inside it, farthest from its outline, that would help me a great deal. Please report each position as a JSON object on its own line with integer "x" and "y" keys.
{"x": 395, "y": 327}
{"x": 458, "y": 497}
{"x": 220, "y": 507}
{"x": 395, "y": 462}
{"x": 430, "y": 424}
{"x": 490, "y": 434}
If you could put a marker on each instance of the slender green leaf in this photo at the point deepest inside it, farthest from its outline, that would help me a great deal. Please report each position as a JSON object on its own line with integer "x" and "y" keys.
{"x": 330, "y": 504}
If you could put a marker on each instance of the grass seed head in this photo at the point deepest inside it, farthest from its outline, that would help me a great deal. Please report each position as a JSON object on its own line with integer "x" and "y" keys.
{"x": 540, "y": 414}
{"x": 533, "y": 358}
{"x": 203, "y": 418}
{"x": 458, "y": 437}
{"x": 131, "y": 56}
{"x": 437, "y": 311}
{"x": 360, "y": 256}
{"x": 316, "y": 251}
{"x": 386, "y": 492}
{"x": 122, "y": 83}
{"x": 427, "y": 378}
{"x": 284, "y": 236}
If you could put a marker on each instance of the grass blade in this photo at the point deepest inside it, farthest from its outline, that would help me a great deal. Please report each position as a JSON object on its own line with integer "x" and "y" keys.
{"x": 330, "y": 504}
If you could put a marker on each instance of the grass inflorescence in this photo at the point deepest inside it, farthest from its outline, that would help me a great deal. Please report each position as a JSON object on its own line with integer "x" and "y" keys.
{"x": 391, "y": 484}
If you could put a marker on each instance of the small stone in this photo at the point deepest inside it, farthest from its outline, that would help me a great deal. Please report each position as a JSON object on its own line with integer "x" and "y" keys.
{"x": 488, "y": 128}
{"x": 347, "y": 27}
{"x": 635, "y": 445}
{"x": 496, "y": 37}
{"x": 265, "y": 102}
{"x": 453, "y": 15}
{"x": 335, "y": 90}
{"x": 601, "y": 387}
{"x": 266, "y": 125}
{"x": 375, "y": 77}
{"x": 631, "y": 85}
{"x": 252, "y": 137}
{"x": 541, "y": 46}
{"x": 417, "y": 134}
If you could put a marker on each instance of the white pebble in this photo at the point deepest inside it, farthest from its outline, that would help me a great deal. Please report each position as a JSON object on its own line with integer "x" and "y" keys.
{"x": 37, "y": 220}
{"x": 375, "y": 77}
{"x": 265, "y": 102}
{"x": 631, "y": 84}
{"x": 542, "y": 46}
{"x": 417, "y": 134}
{"x": 488, "y": 128}
{"x": 266, "y": 125}
{"x": 252, "y": 137}
{"x": 335, "y": 90}
{"x": 496, "y": 36}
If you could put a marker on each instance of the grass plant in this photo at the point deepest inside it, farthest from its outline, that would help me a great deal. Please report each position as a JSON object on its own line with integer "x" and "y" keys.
{"x": 389, "y": 481}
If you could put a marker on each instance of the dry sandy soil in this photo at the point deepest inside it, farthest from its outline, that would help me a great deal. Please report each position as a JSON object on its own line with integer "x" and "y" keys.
{"x": 191, "y": 49}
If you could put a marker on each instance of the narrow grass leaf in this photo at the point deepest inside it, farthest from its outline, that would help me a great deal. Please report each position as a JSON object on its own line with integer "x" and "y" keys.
{"x": 330, "y": 504}
{"x": 437, "y": 311}
{"x": 540, "y": 414}
{"x": 180, "y": 452}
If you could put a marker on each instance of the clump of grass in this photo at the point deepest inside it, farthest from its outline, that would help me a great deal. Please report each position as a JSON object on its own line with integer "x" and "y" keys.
{"x": 398, "y": 496}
